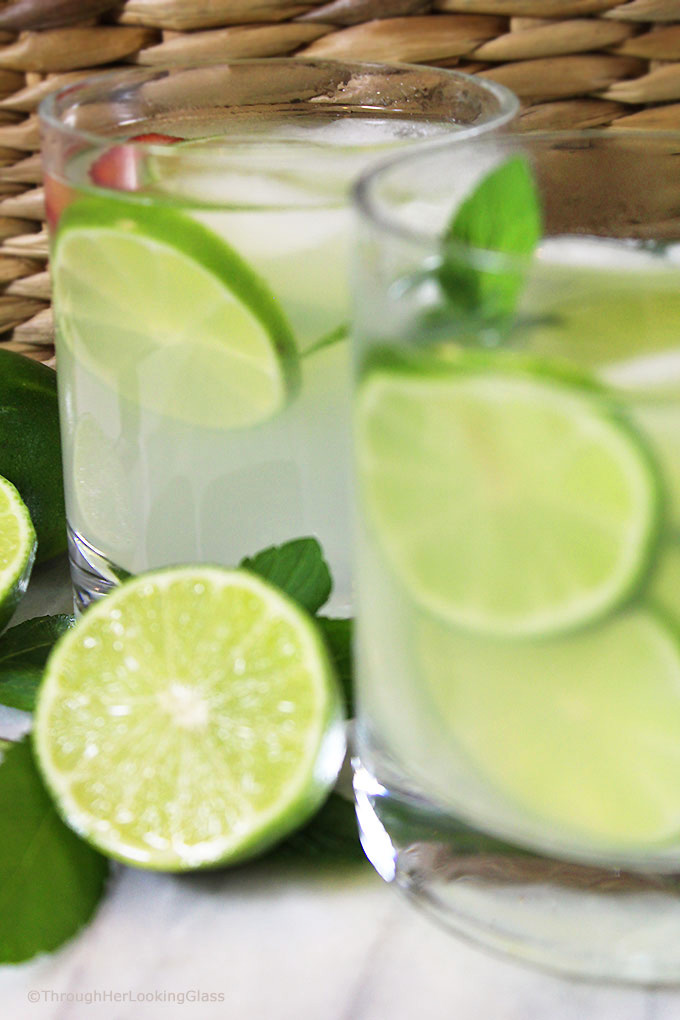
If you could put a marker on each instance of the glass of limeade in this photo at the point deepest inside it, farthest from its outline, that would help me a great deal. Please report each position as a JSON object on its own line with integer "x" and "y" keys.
{"x": 517, "y": 458}
{"x": 200, "y": 229}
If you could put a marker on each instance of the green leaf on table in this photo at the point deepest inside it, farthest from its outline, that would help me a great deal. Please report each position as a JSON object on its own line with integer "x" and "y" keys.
{"x": 50, "y": 880}
{"x": 503, "y": 214}
{"x": 332, "y": 834}
{"x": 23, "y": 653}
{"x": 298, "y": 568}
{"x": 338, "y": 636}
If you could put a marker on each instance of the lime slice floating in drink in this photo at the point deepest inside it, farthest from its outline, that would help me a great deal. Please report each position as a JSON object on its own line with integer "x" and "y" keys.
{"x": 17, "y": 549}
{"x": 170, "y": 315}
{"x": 508, "y": 502}
{"x": 190, "y": 719}
{"x": 577, "y": 738}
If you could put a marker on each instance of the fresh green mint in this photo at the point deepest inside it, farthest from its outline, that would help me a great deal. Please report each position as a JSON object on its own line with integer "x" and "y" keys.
{"x": 298, "y": 568}
{"x": 50, "y": 880}
{"x": 338, "y": 634}
{"x": 23, "y": 654}
{"x": 502, "y": 214}
{"x": 331, "y": 835}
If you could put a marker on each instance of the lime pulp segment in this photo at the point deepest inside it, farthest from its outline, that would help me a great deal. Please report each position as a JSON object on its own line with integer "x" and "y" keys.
{"x": 580, "y": 734}
{"x": 167, "y": 313}
{"x": 17, "y": 549}
{"x": 509, "y": 503}
{"x": 190, "y": 719}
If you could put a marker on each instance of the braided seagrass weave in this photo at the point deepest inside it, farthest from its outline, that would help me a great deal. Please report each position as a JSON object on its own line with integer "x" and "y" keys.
{"x": 573, "y": 63}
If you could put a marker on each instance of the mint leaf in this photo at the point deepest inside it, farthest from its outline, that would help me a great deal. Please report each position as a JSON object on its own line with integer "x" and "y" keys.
{"x": 298, "y": 568}
{"x": 332, "y": 834}
{"x": 338, "y": 636}
{"x": 503, "y": 214}
{"x": 23, "y": 654}
{"x": 50, "y": 881}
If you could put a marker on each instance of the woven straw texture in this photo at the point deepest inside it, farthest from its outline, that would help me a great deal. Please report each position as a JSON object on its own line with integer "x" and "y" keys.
{"x": 573, "y": 63}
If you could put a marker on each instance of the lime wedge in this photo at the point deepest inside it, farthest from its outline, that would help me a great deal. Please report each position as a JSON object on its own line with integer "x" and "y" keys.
{"x": 578, "y": 737}
{"x": 17, "y": 549}
{"x": 169, "y": 315}
{"x": 190, "y": 719}
{"x": 508, "y": 502}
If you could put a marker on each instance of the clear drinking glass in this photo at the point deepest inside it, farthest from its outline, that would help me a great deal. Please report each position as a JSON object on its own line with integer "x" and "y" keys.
{"x": 199, "y": 224}
{"x": 517, "y": 462}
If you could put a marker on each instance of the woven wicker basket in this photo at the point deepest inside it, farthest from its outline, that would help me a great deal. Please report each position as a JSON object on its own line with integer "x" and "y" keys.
{"x": 573, "y": 63}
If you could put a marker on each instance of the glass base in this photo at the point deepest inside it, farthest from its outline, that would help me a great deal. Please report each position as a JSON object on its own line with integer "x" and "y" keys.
{"x": 577, "y": 920}
{"x": 92, "y": 575}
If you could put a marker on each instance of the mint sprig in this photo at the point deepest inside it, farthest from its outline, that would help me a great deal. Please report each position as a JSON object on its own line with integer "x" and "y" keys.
{"x": 298, "y": 568}
{"x": 23, "y": 653}
{"x": 337, "y": 632}
{"x": 50, "y": 880}
{"x": 503, "y": 215}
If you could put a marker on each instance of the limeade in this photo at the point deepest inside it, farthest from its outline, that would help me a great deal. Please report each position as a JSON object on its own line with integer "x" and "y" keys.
{"x": 519, "y": 563}
{"x": 203, "y": 362}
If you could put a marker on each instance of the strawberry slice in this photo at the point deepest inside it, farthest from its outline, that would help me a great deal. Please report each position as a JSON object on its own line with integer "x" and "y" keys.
{"x": 57, "y": 196}
{"x": 120, "y": 166}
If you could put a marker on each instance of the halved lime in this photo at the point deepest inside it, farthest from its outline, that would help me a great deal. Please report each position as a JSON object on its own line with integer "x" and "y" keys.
{"x": 509, "y": 502}
{"x": 169, "y": 315}
{"x": 190, "y": 719}
{"x": 17, "y": 549}
{"x": 30, "y": 446}
{"x": 576, "y": 739}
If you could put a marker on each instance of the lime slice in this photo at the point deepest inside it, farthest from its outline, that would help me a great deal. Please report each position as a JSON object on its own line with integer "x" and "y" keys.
{"x": 577, "y": 739}
{"x": 604, "y": 305}
{"x": 507, "y": 502}
{"x": 169, "y": 315}
{"x": 190, "y": 719}
{"x": 17, "y": 549}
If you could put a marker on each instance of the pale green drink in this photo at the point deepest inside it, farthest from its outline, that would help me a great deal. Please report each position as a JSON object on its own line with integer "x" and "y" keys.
{"x": 517, "y": 434}
{"x": 202, "y": 312}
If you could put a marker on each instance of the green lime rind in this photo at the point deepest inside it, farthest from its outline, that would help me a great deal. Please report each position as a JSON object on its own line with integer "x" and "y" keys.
{"x": 508, "y": 499}
{"x": 165, "y": 286}
{"x": 30, "y": 446}
{"x": 191, "y": 719}
{"x": 440, "y": 357}
{"x": 17, "y": 549}
{"x": 574, "y": 741}
{"x": 663, "y": 589}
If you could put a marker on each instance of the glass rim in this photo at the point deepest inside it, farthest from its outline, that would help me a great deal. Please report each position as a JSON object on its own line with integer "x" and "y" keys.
{"x": 366, "y": 204}
{"x": 50, "y": 117}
